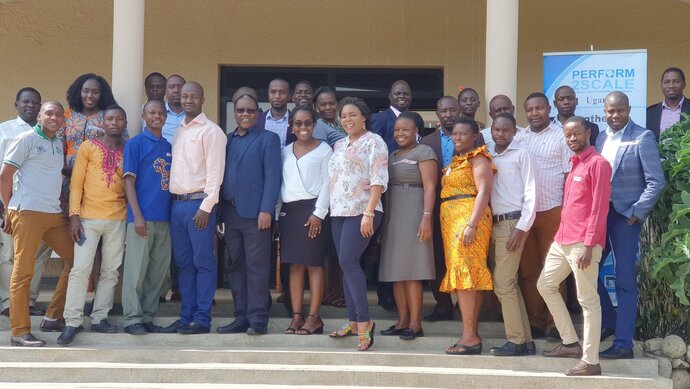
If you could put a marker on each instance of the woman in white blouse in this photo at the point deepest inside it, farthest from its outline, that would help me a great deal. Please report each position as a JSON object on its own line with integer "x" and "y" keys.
{"x": 305, "y": 200}
{"x": 358, "y": 174}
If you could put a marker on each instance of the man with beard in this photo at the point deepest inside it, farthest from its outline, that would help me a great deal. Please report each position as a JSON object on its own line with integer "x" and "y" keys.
{"x": 663, "y": 115}
{"x": 548, "y": 148}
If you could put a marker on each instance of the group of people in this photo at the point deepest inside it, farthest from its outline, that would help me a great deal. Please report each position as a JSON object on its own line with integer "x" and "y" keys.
{"x": 469, "y": 209}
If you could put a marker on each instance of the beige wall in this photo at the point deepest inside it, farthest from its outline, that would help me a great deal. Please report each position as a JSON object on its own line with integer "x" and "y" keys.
{"x": 47, "y": 43}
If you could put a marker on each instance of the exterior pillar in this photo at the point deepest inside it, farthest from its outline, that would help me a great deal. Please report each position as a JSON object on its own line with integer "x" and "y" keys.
{"x": 502, "y": 17}
{"x": 128, "y": 59}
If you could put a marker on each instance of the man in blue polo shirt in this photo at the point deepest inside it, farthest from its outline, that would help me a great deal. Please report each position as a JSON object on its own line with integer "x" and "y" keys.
{"x": 147, "y": 258}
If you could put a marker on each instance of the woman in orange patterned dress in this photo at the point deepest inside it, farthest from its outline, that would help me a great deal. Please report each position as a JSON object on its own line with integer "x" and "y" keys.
{"x": 466, "y": 228}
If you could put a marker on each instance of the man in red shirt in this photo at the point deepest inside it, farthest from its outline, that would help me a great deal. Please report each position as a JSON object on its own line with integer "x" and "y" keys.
{"x": 577, "y": 248}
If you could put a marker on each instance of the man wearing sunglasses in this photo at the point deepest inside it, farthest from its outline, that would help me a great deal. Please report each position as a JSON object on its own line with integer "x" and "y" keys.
{"x": 249, "y": 195}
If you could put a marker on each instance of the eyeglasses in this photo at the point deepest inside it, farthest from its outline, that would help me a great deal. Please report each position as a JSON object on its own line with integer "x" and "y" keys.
{"x": 250, "y": 111}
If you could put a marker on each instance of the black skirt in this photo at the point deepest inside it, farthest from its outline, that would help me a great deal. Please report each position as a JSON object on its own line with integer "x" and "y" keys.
{"x": 295, "y": 245}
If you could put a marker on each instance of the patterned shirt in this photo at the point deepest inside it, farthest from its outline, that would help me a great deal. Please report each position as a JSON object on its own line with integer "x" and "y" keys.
{"x": 278, "y": 125}
{"x": 147, "y": 158}
{"x": 78, "y": 129}
{"x": 551, "y": 156}
{"x": 97, "y": 189}
{"x": 353, "y": 169}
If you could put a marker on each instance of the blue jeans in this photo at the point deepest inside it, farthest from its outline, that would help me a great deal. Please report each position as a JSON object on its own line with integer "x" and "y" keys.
{"x": 624, "y": 241}
{"x": 195, "y": 261}
{"x": 350, "y": 245}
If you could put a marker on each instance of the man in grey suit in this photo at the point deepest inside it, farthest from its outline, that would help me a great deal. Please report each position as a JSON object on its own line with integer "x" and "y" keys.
{"x": 636, "y": 185}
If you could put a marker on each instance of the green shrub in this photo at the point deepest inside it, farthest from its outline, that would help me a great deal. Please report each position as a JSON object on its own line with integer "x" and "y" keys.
{"x": 664, "y": 270}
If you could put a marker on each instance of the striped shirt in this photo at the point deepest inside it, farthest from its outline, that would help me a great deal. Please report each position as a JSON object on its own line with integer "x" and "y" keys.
{"x": 551, "y": 156}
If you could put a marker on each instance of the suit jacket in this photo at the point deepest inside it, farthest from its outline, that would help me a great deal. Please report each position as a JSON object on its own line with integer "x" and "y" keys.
{"x": 654, "y": 116}
{"x": 638, "y": 179}
{"x": 289, "y": 136}
{"x": 382, "y": 123}
{"x": 257, "y": 174}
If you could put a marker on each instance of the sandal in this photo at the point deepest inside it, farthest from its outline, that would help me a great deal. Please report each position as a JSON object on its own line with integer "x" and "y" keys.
{"x": 365, "y": 335}
{"x": 328, "y": 300}
{"x": 291, "y": 330}
{"x": 466, "y": 350}
{"x": 345, "y": 330}
{"x": 305, "y": 331}
{"x": 338, "y": 301}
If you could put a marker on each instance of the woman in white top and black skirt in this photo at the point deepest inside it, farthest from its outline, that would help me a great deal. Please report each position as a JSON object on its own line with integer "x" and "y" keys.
{"x": 305, "y": 200}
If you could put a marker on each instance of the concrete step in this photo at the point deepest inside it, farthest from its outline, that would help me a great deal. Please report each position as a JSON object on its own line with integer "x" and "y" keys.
{"x": 329, "y": 355}
{"x": 276, "y": 325}
{"x": 296, "y": 374}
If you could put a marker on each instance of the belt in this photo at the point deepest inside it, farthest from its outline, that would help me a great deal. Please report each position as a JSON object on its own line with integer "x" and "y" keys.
{"x": 507, "y": 216}
{"x": 230, "y": 203}
{"x": 457, "y": 197}
{"x": 407, "y": 185}
{"x": 189, "y": 196}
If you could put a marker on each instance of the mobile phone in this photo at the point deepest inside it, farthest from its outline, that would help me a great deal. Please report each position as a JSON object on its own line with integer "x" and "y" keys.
{"x": 82, "y": 238}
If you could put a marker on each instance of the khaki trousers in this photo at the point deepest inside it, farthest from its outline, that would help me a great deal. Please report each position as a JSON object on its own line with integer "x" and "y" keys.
{"x": 560, "y": 262}
{"x": 504, "y": 266}
{"x": 7, "y": 263}
{"x": 536, "y": 247}
{"x": 28, "y": 229}
{"x": 112, "y": 232}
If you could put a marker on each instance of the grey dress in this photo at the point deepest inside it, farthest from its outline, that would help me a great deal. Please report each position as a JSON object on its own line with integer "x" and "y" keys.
{"x": 403, "y": 256}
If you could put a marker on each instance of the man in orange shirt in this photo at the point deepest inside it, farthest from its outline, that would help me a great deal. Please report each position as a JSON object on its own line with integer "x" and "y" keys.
{"x": 97, "y": 209}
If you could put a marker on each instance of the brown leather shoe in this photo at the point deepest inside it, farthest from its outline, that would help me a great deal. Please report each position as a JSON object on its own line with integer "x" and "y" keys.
{"x": 27, "y": 340}
{"x": 563, "y": 351}
{"x": 584, "y": 369}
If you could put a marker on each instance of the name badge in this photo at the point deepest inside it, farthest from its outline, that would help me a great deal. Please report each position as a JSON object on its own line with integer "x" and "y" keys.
{"x": 577, "y": 179}
{"x": 632, "y": 142}
{"x": 168, "y": 154}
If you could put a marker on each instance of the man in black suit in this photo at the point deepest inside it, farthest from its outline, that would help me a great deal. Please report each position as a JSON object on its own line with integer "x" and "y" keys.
{"x": 565, "y": 101}
{"x": 382, "y": 123}
{"x": 663, "y": 115}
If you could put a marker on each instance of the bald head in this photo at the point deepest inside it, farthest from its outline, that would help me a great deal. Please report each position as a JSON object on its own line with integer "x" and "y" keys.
{"x": 400, "y": 95}
{"x": 193, "y": 87}
{"x": 617, "y": 110}
{"x": 244, "y": 90}
{"x": 617, "y": 98}
{"x": 192, "y": 98}
{"x": 500, "y": 104}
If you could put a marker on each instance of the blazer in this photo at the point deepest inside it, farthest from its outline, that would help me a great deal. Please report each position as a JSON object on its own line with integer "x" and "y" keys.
{"x": 261, "y": 122}
{"x": 654, "y": 116}
{"x": 637, "y": 180}
{"x": 382, "y": 123}
{"x": 257, "y": 174}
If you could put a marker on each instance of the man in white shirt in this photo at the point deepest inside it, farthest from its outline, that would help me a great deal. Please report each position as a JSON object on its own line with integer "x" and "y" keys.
{"x": 500, "y": 104}
{"x": 551, "y": 154}
{"x": 27, "y": 104}
{"x": 513, "y": 198}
